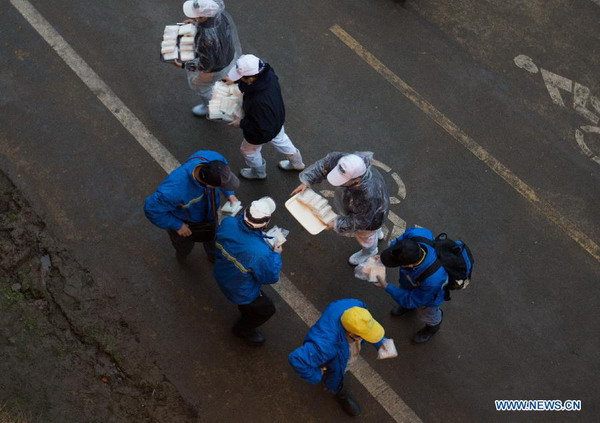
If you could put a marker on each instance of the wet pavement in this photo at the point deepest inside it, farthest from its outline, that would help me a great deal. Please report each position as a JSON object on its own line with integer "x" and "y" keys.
{"x": 523, "y": 330}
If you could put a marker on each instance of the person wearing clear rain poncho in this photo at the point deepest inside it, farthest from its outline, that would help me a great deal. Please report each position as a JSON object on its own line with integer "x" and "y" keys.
{"x": 362, "y": 201}
{"x": 216, "y": 45}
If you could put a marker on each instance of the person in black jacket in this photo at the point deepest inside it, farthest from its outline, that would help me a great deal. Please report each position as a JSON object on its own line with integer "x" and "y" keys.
{"x": 264, "y": 116}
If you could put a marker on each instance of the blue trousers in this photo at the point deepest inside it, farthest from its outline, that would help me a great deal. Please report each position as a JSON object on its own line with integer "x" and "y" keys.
{"x": 431, "y": 316}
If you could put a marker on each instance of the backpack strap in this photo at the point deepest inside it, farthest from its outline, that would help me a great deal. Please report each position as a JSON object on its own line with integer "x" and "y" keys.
{"x": 423, "y": 240}
{"x": 434, "y": 267}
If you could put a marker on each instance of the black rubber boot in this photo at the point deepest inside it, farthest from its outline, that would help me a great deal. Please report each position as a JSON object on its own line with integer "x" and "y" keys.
{"x": 425, "y": 334}
{"x": 253, "y": 338}
{"x": 348, "y": 404}
{"x": 399, "y": 311}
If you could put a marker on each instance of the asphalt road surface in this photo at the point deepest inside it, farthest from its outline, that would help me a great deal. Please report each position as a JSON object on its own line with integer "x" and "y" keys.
{"x": 514, "y": 81}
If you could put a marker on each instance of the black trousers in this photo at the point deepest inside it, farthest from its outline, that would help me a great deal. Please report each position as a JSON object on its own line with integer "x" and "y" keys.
{"x": 184, "y": 245}
{"x": 254, "y": 314}
{"x": 343, "y": 392}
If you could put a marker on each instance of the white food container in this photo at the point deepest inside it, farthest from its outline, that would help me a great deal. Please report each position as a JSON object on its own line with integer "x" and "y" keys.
{"x": 277, "y": 236}
{"x": 387, "y": 350}
{"x": 231, "y": 209}
{"x": 186, "y": 56}
{"x": 304, "y": 215}
{"x": 187, "y": 30}
{"x": 171, "y": 56}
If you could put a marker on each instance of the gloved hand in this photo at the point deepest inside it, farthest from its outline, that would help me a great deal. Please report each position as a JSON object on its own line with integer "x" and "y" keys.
{"x": 191, "y": 66}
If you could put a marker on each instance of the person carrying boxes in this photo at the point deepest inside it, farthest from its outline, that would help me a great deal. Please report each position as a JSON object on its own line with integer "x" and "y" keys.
{"x": 216, "y": 47}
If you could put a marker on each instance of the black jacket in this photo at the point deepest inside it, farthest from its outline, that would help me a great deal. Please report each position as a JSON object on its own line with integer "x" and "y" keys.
{"x": 264, "y": 112}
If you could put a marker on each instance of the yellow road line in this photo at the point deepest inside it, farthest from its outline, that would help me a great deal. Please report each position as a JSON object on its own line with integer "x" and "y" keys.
{"x": 459, "y": 135}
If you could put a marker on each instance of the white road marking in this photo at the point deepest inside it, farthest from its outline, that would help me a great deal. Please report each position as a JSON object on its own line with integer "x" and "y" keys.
{"x": 555, "y": 82}
{"x": 525, "y": 62}
{"x": 381, "y": 165}
{"x": 581, "y": 96}
{"x": 591, "y": 129}
{"x": 581, "y": 99}
{"x": 401, "y": 186}
{"x": 97, "y": 86}
{"x": 399, "y": 225}
{"x": 582, "y": 144}
{"x": 372, "y": 381}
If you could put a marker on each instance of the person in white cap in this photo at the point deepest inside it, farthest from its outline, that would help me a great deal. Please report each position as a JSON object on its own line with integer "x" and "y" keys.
{"x": 362, "y": 201}
{"x": 216, "y": 45}
{"x": 244, "y": 262}
{"x": 264, "y": 116}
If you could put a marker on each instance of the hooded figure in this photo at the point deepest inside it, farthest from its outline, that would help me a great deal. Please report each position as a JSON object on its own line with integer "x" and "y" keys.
{"x": 361, "y": 199}
{"x": 244, "y": 262}
{"x": 216, "y": 45}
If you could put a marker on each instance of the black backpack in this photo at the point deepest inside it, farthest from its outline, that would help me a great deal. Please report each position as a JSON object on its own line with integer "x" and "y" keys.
{"x": 454, "y": 256}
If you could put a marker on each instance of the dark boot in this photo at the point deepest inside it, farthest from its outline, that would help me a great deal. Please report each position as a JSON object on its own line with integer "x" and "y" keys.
{"x": 348, "y": 404}
{"x": 253, "y": 338}
{"x": 425, "y": 334}
{"x": 399, "y": 311}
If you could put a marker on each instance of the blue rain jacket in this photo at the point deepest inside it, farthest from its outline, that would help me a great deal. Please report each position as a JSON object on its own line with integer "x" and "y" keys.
{"x": 430, "y": 293}
{"x": 326, "y": 345}
{"x": 181, "y": 198}
{"x": 244, "y": 261}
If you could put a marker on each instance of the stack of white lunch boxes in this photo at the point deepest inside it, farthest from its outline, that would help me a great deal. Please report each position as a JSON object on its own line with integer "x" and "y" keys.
{"x": 178, "y": 43}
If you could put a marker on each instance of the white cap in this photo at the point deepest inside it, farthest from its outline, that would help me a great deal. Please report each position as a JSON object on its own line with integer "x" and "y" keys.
{"x": 201, "y": 8}
{"x": 246, "y": 65}
{"x": 347, "y": 168}
{"x": 259, "y": 213}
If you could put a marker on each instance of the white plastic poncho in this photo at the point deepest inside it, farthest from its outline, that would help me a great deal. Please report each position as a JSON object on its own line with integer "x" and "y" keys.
{"x": 363, "y": 203}
{"x": 217, "y": 47}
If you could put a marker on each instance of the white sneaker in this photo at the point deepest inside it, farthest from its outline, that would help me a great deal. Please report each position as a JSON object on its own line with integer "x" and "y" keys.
{"x": 379, "y": 234}
{"x": 287, "y": 165}
{"x": 200, "y": 110}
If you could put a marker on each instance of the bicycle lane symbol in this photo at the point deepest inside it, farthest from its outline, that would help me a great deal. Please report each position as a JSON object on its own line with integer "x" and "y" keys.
{"x": 582, "y": 101}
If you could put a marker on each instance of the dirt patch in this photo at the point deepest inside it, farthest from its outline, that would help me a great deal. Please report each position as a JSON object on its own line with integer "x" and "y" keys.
{"x": 67, "y": 354}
